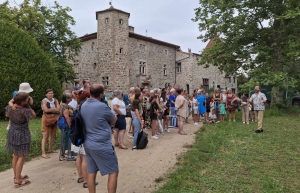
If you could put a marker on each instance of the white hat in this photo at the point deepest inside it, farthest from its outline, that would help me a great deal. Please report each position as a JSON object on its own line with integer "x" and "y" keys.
{"x": 25, "y": 87}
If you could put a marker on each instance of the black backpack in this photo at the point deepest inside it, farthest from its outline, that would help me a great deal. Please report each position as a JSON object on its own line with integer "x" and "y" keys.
{"x": 142, "y": 140}
{"x": 77, "y": 129}
{"x": 128, "y": 110}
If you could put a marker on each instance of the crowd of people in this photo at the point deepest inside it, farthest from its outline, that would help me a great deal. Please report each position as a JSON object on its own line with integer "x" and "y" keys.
{"x": 149, "y": 109}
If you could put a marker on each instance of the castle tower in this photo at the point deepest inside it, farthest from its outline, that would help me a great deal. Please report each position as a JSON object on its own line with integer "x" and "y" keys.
{"x": 113, "y": 48}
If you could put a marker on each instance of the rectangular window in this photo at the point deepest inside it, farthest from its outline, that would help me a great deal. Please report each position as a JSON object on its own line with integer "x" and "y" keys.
{"x": 142, "y": 68}
{"x": 106, "y": 20}
{"x": 76, "y": 67}
{"x": 229, "y": 79}
{"x": 205, "y": 84}
{"x": 105, "y": 80}
{"x": 178, "y": 68}
{"x": 233, "y": 79}
{"x": 165, "y": 70}
{"x": 166, "y": 52}
{"x": 121, "y": 21}
{"x": 95, "y": 65}
{"x": 233, "y": 90}
{"x": 121, "y": 50}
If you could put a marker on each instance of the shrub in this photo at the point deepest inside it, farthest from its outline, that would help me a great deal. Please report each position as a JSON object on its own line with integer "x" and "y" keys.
{"x": 22, "y": 60}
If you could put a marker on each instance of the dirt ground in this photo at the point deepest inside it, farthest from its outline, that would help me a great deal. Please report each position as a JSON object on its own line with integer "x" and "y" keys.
{"x": 138, "y": 168}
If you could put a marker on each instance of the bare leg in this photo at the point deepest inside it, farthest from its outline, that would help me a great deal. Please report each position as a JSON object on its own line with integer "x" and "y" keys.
{"x": 19, "y": 167}
{"x": 14, "y": 164}
{"x": 78, "y": 165}
{"x": 44, "y": 141}
{"x": 112, "y": 182}
{"x": 52, "y": 138}
{"x": 91, "y": 182}
{"x": 153, "y": 126}
{"x": 121, "y": 137}
{"x": 180, "y": 126}
{"x": 84, "y": 168}
{"x": 116, "y": 136}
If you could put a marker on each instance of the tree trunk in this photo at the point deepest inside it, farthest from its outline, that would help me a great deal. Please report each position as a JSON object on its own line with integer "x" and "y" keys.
{"x": 276, "y": 96}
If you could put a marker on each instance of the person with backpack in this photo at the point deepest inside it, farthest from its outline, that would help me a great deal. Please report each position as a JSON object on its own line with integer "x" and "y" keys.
{"x": 136, "y": 120}
{"x": 97, "y": 118}
{"x": 50, "y": 108}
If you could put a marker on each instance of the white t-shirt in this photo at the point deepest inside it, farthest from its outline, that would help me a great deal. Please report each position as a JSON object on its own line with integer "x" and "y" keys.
{"x": 212, "y": 116}
{"x": 73, "y": 104}
{"x": 122, "y": 106}
{"x": 195, "y": 104}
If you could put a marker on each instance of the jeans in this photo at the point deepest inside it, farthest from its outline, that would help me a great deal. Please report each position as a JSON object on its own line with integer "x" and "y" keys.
{"x": 137, "y": 125}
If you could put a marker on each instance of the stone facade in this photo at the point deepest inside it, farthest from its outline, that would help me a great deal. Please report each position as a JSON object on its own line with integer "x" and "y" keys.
{"x": 120, "y": 58}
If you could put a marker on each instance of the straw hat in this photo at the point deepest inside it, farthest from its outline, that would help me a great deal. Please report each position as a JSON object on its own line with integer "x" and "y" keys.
{"x": 25, "y": 87}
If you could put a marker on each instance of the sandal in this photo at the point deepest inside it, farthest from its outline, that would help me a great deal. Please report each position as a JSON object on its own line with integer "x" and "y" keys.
{"x": 85, "y": 184}
{"x": 183, "y": 133}
{"x": 116, "y": 145}
{"x": 45, "y": 156}
{"x": 23, "y": 177}
{"x": 22, "y": 183}
{"x": 80, "y": 180}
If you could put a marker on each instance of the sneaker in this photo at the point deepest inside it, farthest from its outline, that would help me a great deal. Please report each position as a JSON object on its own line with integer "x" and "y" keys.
{"x": 158, "y": 133}
{"x": 257, "y": 131}
{"x": 229, "y": 119}
{"x": 167, "y": 130}
{"x": 130, "y": 136}
{"x": 248, "y": 123}
{"x": 195, "y": 123}
{"x": 243, "y": 122}
{"x": 233, "y": 120}
{"x": 154, "y": 137}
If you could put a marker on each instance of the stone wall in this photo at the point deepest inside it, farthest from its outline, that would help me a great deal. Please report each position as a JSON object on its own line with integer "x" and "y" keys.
{"x": 155, "y": 56}
{"x": 112, "y": 37}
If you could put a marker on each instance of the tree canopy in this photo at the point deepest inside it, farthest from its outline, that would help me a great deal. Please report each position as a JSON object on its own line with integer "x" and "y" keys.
{"x": 260, "y": 38}
{"x": 50, "y": 27}
{"x": 22, "y": 60}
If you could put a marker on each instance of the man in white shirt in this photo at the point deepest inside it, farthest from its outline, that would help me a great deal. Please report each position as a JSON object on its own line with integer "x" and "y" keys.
{"x": 258, "y": 99}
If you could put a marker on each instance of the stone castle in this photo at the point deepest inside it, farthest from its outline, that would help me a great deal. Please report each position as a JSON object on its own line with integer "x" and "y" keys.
{"x": 119, "y": 58}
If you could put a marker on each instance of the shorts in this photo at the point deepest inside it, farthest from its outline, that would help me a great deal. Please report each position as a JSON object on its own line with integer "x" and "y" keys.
{"x": 153, "y": 117}
{"x": 196, "y": 111}
{"x": 104, "y": 160}
{"x": 78, "y": 150}
{"x": 46, "y": 128}
{"x": 208, "y": 109}
{"x": 121, "y": 122}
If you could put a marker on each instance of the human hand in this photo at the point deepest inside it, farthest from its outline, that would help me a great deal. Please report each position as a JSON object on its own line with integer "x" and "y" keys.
{"x": 14, "y": 107}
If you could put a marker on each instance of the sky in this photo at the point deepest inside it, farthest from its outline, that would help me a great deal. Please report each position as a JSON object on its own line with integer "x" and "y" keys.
{"x": 165, "y": 20}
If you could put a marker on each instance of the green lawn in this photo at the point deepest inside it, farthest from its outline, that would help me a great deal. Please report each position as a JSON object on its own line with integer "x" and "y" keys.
{"x": 36, "y": 138}
{"x": 230, "y": 157}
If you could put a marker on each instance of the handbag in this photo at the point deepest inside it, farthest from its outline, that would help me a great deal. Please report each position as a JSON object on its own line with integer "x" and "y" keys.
{"x": 62, "y": 123}
{"x": 50, "y": 121}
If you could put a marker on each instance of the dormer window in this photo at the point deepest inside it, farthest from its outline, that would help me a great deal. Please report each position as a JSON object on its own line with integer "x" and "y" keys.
{"x": 121, "y": 21}
{"x": 106, "y": 20}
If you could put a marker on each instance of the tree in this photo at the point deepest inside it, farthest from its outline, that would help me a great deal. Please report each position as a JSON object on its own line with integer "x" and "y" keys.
{"x": 257, "y": 37}
{"x": 50, "y": 27}
{"x": 22, "y": 60}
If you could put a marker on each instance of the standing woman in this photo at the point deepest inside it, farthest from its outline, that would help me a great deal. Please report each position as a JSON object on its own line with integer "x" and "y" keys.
{"x": 50, "y": 108}
{"x": 153, "y": 116}
{"x": 230, "y": 106}
{"x": 217, "y": 100}
{"x": 146, "y": 108}
{"x": 166, "y": 111}
{"x": 18, "y": 136}
{"x": 136, "y": 120}
{"x": 181, "y": 105}
{"x": 245, "y": 108}
{"x": 201, "y": 100}
{"x": 119, "y": 109}
{"x": 66, "y": 111}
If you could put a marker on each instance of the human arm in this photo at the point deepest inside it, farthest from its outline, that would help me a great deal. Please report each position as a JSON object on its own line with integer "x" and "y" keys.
{"x": 33, "y": 115}
{"x": 264, "y": 98}
{"x": 138, "y": 116}
{"x": 50, "y": 110}
{"x": 66, "y": 114}
{"x": 117, "y": 110}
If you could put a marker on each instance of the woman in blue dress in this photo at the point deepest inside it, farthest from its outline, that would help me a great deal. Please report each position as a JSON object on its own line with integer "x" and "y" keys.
{"x": 201, "y": 100}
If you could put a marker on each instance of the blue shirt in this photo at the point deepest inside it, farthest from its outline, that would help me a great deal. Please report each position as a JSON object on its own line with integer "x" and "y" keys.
{"x": 172, "y": 98}
{"x": 97, "y": 117}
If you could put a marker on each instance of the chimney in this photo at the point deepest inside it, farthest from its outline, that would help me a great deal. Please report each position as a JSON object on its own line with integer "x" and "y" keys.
{"x": 189, "y": 51}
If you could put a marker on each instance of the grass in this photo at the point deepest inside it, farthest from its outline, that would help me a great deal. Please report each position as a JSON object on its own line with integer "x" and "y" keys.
{"x": 229, "y": 157}
{"x": 36, "y": 138}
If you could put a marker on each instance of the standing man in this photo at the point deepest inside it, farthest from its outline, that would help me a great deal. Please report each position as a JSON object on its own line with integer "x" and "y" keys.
{"x": 258, "y": 99}
{"x": 100, "y": 153}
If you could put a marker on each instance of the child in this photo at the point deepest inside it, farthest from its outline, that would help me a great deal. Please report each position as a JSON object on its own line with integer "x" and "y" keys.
{"x": 222, "y": 110}
{"x": 195, "y": 109}
{"x": 212, "y": 116}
